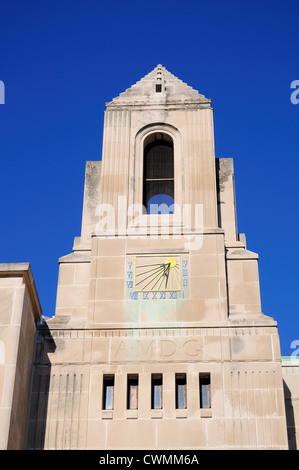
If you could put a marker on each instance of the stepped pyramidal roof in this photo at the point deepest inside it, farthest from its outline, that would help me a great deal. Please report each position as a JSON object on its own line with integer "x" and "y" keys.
{"x": 161, "y": 87}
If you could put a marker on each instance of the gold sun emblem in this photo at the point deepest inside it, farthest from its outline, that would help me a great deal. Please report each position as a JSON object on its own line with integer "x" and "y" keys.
{"x": 157, "y": 273}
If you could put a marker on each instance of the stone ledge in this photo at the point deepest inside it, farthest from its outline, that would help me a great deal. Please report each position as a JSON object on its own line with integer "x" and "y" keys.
{"x": 76, "y": 258}
{"x": 24, "y": 270}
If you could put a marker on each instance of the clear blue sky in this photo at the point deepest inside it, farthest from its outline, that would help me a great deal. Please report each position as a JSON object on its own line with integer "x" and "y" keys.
{"x": 62, "y": 60}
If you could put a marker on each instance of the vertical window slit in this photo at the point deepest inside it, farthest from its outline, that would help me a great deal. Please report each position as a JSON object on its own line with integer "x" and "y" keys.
{"x": 108, "y": 392}
{"x": 181, "y": 391}
{"x": 157, "y": 384}
{"x": 132, "y": 392}
{"x": 205, "y": 390}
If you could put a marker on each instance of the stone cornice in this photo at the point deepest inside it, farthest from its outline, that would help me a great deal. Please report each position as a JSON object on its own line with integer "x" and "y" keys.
{"x": 24, "y": 270}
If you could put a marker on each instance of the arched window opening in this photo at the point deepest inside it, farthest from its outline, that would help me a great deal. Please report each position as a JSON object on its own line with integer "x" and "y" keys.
{"x": 158, "y": 174}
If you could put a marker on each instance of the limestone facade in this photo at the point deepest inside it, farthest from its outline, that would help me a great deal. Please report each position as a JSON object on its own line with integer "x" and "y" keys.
{"x": 20, "y": 311}
{"x": 158, "y": 339}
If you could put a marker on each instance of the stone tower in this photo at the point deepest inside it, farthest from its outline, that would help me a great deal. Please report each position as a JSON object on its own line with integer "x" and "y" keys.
{"x": 158, "y": 340}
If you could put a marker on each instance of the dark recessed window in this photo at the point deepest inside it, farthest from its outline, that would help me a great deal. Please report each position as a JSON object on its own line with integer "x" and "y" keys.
{"x": 180, "y": 391}
{"x": 132, "y": 392}
{"x": 158, "y": 88}
{"x": 205, "y": 390}
{"x": 108, "y": 392}
{"x": 157, "y": 391}
{"x": 158, "y": 173}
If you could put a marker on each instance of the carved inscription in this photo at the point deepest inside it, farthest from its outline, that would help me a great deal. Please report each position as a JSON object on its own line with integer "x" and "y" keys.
{"x": 161, "y": 349}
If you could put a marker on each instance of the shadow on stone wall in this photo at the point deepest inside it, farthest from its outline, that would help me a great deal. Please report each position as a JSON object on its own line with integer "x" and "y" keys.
{"x": 40, "y": 383}
{"x": 290, "y": 417}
